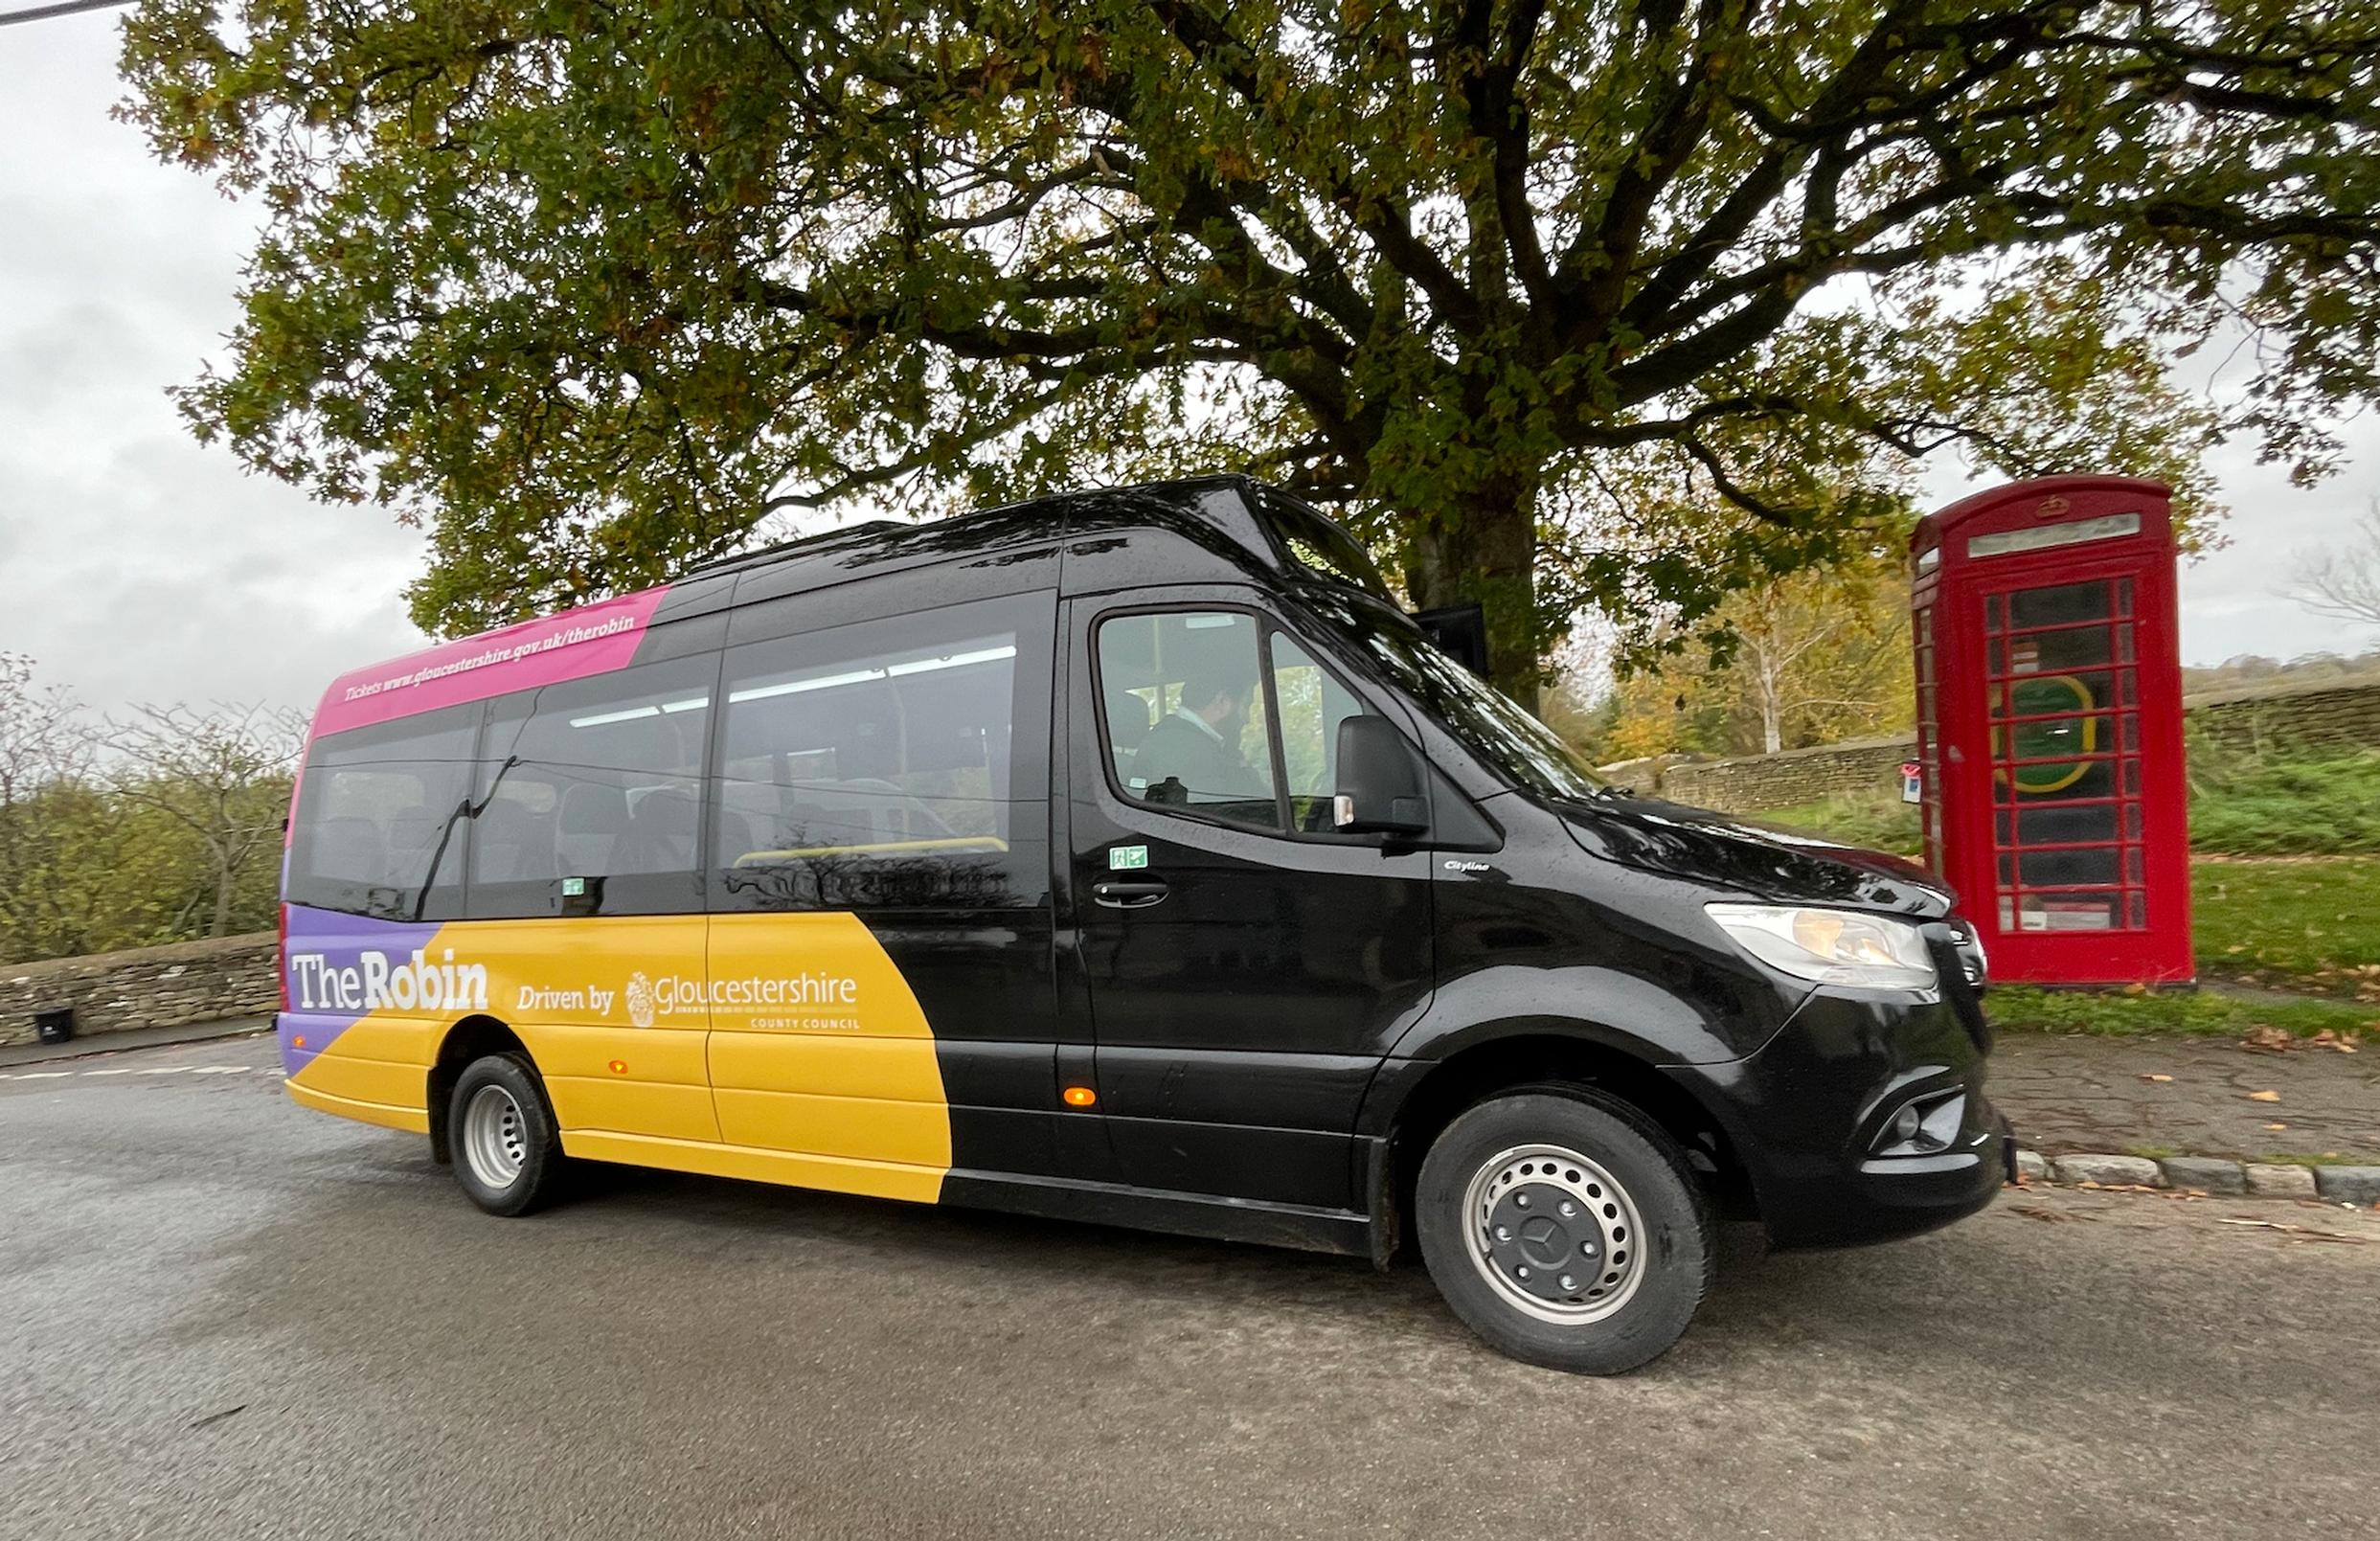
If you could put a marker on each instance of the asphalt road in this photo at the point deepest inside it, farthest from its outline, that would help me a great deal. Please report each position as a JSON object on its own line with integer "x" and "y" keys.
{"x": 223, "y": 1316}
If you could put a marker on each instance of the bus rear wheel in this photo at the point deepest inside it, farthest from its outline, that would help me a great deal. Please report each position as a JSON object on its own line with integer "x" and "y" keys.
{"x": 1565, "y": 1230}
{"x": 507, "y": 1153}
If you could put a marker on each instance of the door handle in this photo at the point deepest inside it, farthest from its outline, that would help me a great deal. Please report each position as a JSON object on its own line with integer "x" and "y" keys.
{"x": 1129, "y": 893}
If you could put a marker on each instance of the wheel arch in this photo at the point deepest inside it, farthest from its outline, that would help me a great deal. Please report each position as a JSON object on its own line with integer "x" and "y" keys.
{"x": 474, "y": 1038}
{"x": 1542, "y": 1056}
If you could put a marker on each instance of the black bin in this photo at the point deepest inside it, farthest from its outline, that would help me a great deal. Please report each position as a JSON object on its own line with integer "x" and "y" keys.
{"x": 54, "y": 1024}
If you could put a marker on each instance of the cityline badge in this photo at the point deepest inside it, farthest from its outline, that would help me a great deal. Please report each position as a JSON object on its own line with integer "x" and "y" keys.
{"x": 1126, "y": 858}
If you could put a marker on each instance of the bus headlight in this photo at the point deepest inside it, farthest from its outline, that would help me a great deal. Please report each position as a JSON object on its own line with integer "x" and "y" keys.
{"x": 1831, "y": 946}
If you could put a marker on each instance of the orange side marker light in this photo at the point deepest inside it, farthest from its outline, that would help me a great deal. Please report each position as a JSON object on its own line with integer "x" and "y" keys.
{"x": 619, "y": 1067}
{"x": 1081, "y": 1096}
{"x": 297, "y": 1040}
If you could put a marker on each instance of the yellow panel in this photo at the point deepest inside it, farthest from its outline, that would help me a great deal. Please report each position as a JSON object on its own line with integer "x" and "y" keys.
{"x": 403, "y": 1040}
{"x": 410, "y": 1118}
{"x": 811, "y": 972}
{"x": 862, "y": 1128}
{"x": 811, "y": 1004}
{"x": 363, "y": 1081}
{"x": 920, "y": 1185}
{"x": 614, "y": 1103}
{"x": 890, "y": 1068}
{"x": 658, "y": 1054}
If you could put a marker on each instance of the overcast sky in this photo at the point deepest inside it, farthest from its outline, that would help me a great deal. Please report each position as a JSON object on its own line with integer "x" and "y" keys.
{"x": 140, "y": 565}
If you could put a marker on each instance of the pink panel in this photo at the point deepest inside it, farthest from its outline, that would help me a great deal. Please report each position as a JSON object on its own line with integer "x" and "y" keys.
{"x": 590, "y": 640}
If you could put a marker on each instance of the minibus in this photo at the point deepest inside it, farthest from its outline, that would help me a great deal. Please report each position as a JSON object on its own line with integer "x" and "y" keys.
{"x": 1124, "y": 857}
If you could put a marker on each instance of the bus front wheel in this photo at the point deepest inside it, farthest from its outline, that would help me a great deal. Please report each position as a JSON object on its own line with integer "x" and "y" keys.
{"x": 508, "y": 1154}
{"x": 1566, "y": 1229}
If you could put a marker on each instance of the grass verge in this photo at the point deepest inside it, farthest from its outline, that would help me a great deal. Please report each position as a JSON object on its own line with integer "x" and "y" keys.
{"x": 2310, "y": 925}
{"x": 2204, "y": 1013}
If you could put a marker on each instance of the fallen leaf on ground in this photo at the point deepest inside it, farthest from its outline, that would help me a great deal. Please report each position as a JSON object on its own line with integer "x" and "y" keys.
{"x": 2264, "y": 1097}
{"x": 2329, "y": 1039}
{"x": 2277, "y": 1126}
{"x": 2033, "y": 1211}
{"x": 2264, "y": 1036}
{"x": 2152, "y": 1076}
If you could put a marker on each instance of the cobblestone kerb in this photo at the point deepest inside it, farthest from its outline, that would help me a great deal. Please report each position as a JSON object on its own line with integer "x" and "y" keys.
{"x": 2211, "y": 1176}
{"x": 145, "y": 987}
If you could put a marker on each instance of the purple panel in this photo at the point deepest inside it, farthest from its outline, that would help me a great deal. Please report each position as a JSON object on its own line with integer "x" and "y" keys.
{"x": 338, "y": 969}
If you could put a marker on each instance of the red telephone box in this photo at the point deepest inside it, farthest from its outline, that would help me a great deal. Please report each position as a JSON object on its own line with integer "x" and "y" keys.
{"x": 2050, "y": 727}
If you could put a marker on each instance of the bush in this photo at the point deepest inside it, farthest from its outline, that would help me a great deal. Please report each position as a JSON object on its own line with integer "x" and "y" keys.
{"x": 1878, "y": 821}
{"x": 2281, "y": 804}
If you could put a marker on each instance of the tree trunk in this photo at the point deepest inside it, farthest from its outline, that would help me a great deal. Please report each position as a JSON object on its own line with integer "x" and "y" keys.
{"x": 1487, "y": 556}
{"x": 1772, "y": 704}
{"x": 223, "y": 884}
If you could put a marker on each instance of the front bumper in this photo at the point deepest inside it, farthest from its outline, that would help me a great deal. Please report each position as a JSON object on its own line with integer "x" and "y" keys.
{"x": 1809, "y": 1113}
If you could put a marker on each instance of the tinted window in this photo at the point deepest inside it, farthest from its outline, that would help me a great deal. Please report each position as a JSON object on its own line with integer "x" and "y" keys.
{"x": 1489, "y": 723}
{"x": 900, "y": 761}
{"x": 375, "y": 808}
{"x": 1184, "y": 705}
{"x": 590, "y": 795}
{"x": 1312, "y": 703}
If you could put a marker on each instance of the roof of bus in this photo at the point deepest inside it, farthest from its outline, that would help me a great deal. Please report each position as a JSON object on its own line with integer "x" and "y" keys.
{"x": 594, "y": 639}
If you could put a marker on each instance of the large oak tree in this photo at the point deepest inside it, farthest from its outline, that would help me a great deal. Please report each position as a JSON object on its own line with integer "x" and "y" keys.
{"x": 1562, "y": 303}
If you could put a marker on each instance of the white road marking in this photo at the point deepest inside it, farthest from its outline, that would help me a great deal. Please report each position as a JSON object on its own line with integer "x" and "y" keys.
{"x": 43, "y": 1075}
{"x": 166, "y": 1070}
{"x": 220, "y": 1070}
{"x": 120, "y": 1069}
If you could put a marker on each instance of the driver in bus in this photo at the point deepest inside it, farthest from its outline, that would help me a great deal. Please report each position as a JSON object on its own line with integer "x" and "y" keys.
{"x": 1196, "y": 746}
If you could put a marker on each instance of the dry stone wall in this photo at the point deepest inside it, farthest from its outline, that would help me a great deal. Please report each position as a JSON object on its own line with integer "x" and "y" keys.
{"x": 2341, "y": 718}
{"x": 146, "y": 988}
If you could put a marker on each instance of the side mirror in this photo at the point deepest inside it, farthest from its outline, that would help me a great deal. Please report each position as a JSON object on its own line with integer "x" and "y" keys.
{"x": 1461, "y": 632}
{"x": 1380, "y": 787}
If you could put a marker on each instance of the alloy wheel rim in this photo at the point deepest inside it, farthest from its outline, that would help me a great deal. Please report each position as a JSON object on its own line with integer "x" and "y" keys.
{"x": 1554, "y": 1234}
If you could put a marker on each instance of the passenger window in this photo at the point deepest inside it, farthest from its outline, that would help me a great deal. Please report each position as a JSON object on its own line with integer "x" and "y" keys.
{"x": 1184, "y": 707}
{"x": 591, "y": 790}
{"x": 880, "y": 763}
{"x": 374, "y": 809}
{"x": 1312, "y": 704}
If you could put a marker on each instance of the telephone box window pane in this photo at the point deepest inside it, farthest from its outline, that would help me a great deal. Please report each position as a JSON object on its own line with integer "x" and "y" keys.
{"x": 1998, "y": 655}
{"x": 2131, "y": 691}
{"x": 2124, "y": 596}
{"x": 2131, "y": 821}
{"x": 2066, "y": 869}
{"x": 2057, "y": 605}
{"x": 2062, "y": 823}
{"x": 2067, "y": 912}
{"x": 2123, "y": 644}
{"x": 2052, "y": 652}
{"x": 2139, "y": 912}
{"x": 2132, "y": 864}
{"x": 1991, "y": 613}
{"x": 2132, "y": 778}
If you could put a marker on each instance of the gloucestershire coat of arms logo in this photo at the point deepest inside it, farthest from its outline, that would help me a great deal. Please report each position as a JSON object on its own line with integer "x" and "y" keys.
{"x": 639, "y": 997}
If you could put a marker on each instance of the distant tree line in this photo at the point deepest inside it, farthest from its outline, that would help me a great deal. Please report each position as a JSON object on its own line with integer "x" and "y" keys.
{"x": 163, "y": 824}
{"x": 1812, "y": 657}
